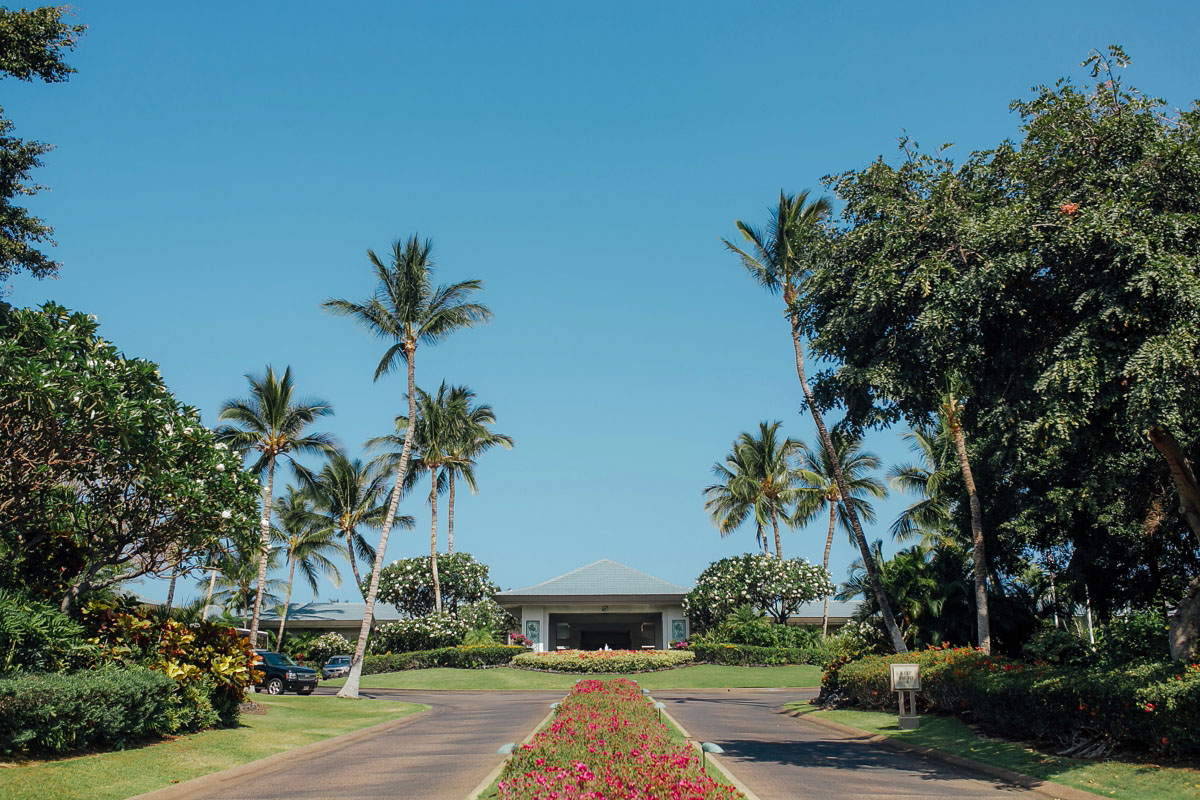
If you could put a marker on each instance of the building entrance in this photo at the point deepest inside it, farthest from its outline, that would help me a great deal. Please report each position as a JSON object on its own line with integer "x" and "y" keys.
{"x": 594, "y": 631}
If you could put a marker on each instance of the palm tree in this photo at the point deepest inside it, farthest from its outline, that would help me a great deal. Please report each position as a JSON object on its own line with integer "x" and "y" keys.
{"x": 929, "y": 518}
{"x": 779, "y": 258}
{"x": 307, "y": 541}
{"x": 271, "y": 422}
{"x": 407, "y": 310}
{"x": 236, "y": 582}
{"x": 757, "y": 477}
{"x": 819, "y": 492}
{"x": 469, "y": 438}
{"x": 952, "y": 413}
{"x": 347, "y": 496}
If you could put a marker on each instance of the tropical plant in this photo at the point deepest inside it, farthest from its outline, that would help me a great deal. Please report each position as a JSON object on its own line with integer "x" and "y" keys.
{"x": 236, "y": 587}
{"x": 771, "y": 586}
{"x": 819, "y": 492}
{"x": 929, "y": 519}
{"x": 757, "y": 480}
{"x": 306, "y": 541}
{"x": 271, "y": 424}
{"x": 407, "y": 310}
{"x": 470, "y": 437}
{"x": 406, "y": 584}
{"x": 780, "y": 259}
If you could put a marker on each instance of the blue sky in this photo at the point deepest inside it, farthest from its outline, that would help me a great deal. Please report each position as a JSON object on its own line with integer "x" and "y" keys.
{"x": 222, "y": 168}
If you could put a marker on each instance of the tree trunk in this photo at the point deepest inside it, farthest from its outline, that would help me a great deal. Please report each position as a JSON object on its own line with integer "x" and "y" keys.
{"x": 171, "y": 588}
{"x": 1183, "y": 630}
{"x": 353, "y": 562}
{"x": 977, "y": 549}
{"x": 265, "y": 548}
{"x": 287, "y": 599}
{"x": 350, "y": 689}
{"x": 437, "y": 586}
{"x": 778, "y": 546}
{"x": 212, "y": 584}
{"x": 885, "y": 608}
{"x": 450, "y": 516}
{"x": 825, "y": 564}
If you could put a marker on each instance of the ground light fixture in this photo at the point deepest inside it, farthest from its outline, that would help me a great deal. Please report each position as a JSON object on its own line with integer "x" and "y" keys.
{"x": 506, "y": 749}
{"x": 709, "y": 747}
{"x": 659, "y": 706}
{"x": 555, "y": 705}
{"x": 645, "y": 691}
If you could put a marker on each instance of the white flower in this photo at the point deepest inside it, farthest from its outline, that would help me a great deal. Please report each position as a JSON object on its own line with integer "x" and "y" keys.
{"x": 226, "y": 514}
{"x": 220, "y": 445}
{"x": 187, "y": 430}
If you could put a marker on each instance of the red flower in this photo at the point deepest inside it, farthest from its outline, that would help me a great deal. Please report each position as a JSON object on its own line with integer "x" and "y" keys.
{"x": 1068, "y": 208}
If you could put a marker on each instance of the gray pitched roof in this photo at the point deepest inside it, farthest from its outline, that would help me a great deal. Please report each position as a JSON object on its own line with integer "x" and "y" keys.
{"x": 600, "y": 578}
{"x": 837, "y": 608}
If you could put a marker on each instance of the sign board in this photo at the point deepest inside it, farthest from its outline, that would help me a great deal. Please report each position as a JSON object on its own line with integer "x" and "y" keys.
{"x": 905, "y": 677}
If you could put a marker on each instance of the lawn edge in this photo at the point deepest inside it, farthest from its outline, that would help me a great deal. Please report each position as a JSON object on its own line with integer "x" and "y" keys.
{"x": 1034, "y": 784}
{"x": 203, "y": 785}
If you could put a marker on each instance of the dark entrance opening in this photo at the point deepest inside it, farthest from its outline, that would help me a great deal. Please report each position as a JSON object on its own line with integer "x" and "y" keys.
{"x": 595, "y": 640}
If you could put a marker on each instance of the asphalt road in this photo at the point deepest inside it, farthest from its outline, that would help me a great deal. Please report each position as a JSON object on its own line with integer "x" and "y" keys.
{"x": 442, "y": 754}
{"x": 779, "y": 757}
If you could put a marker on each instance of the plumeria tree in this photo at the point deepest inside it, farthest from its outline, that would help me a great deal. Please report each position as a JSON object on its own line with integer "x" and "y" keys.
{"x": 773, "y": 586}
{"x": 104, "y": 475}
{"x": 406, "y": 584}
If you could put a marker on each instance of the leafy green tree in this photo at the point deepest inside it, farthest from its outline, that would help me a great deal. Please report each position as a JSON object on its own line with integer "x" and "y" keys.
{"x": 773, "y": 586}
{"x": 32, "y": 45}
{"x": 270, "y": 425}
{"x": 781, "y": 258}
{"x": 104, "y": 475}
{"x": 1053, "y": 277}
{"x": 408, "y": 310}
{"x": 818, "y": 493}
{"x": 307, "y": 541}
{"x": 756, "y": 479}
{"x": 407, "y": 585}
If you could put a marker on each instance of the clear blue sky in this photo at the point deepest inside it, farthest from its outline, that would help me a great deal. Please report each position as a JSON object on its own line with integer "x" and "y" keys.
{"x": 222, "y": 167}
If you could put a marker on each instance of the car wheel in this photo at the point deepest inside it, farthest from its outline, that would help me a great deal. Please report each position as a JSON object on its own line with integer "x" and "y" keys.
{"x": 274, "y": 686}
{"x": 305, "y": 691}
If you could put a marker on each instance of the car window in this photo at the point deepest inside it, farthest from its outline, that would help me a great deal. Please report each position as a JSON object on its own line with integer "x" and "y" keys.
{"x": 278, "y": 660}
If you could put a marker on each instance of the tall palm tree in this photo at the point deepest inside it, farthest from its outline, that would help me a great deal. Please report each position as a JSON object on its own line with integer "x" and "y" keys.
{"x": 470, "y": 437}
{"x": 952, "y": 412}
{"x": 271, "y": 422}
{"x": 407, "y": 310}
{"x": 237, "y": 588}
{"x": 779, "y": 258}
{"x": 307, "y": 541}
{"x": 348, "y": 496}
{"x": 757, "y": 478}
{"x": 819, "y": 492}
{"x": 929, "y": 517}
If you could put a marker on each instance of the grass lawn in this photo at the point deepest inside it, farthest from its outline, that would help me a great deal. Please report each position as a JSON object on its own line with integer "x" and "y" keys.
{"x": 1110, "y": 778}
{"x": 702, "y": 676}
{"x": 290, "y": 722}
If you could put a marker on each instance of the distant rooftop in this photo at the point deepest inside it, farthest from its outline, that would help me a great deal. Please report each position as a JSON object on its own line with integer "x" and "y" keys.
{"x": 600, "y": 578}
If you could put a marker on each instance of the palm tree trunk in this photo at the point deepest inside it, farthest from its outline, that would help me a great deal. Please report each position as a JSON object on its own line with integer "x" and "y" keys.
{"x": 977, "y": 551}
{"x": 171, "y": 588}
{"x": 885, "y": 608}
{"x": 450, "y": 516}
{"x": 778, "y": 546}
{"x": 212, "y": 583}
{"x": 437, "y": 586}
{"x": 287, "y": 599}
{"x": 350, "y": 689}
{"x": 353, "y": 563}
{"x": 825, "y": 564}
{"x": 264, "y": 547}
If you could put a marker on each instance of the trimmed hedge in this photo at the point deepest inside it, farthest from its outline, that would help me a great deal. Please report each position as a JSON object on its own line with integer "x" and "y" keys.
{"x": 608, "y": 661}
{"x": 749, "y": 655}
{"x": 1150, "y": 707}
{"x": 107, "y": 709}
{"x": 461, "y": 657}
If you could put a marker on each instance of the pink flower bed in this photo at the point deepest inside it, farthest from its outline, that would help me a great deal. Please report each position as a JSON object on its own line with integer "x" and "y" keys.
{"x": 606, "y": 743}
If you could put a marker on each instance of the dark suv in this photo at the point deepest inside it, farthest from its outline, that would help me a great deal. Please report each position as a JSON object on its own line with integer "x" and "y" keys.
{"x": 336, "y": 667}
{"x": 281, "y": 674}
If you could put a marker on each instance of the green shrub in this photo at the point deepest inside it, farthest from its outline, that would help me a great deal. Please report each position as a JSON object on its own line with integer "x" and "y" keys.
{"x": 1136, "y": 638}
{"x": 1056, "y": 646}
{"x": 37, "y": 637}
{"x": 461, "y": 657}
{"x": 107, "y": 708}
{"x": 431, "y": 632}
{"x": 609, "y": 661}
{"x": 1147, "y": 707}
{"x": 327, "y": 645}
{"x": 749, "y": 655}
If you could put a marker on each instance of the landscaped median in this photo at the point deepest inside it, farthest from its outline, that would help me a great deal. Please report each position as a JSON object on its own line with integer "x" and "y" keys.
{"x": 289, "y": 722}
{"x": 605, "y": 661}
{"x": 605, "y": 740}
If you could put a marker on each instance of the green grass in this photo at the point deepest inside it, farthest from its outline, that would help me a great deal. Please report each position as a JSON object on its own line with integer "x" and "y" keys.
{"x": 290, "y": 722}
{"x": 1109, "y": 778}
{"x": 703, "y": 676}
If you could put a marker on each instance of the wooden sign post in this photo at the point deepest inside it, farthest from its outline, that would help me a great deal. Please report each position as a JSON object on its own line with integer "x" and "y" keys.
{"x": 906, "y": 681}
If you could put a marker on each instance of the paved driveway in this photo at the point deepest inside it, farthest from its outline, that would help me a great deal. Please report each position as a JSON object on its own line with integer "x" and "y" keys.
{"x": 779, "y": 757}
{"x": 441, "y": 754}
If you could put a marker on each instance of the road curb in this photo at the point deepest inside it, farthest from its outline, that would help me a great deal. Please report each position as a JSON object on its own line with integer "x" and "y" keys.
{"x": 491, "y": 776}
{"x": 1039, "y": 785}
{"x": 206, "y": 784}
{"x": 728, "y": 773}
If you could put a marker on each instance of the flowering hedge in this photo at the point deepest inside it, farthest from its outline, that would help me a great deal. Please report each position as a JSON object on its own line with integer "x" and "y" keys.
{"x": 461, "y": 657}
{"x": 326, "y": 646}
{"x": 1147, "y": 707}
{"x": 604, "y": 660}
{"x": 605, "y": 741}
{"x": 420, "y": 633}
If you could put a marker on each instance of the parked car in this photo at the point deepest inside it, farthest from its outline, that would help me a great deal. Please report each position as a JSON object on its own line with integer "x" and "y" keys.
{"x": 336, "y": 667}
{"x": 281, "y": 674}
